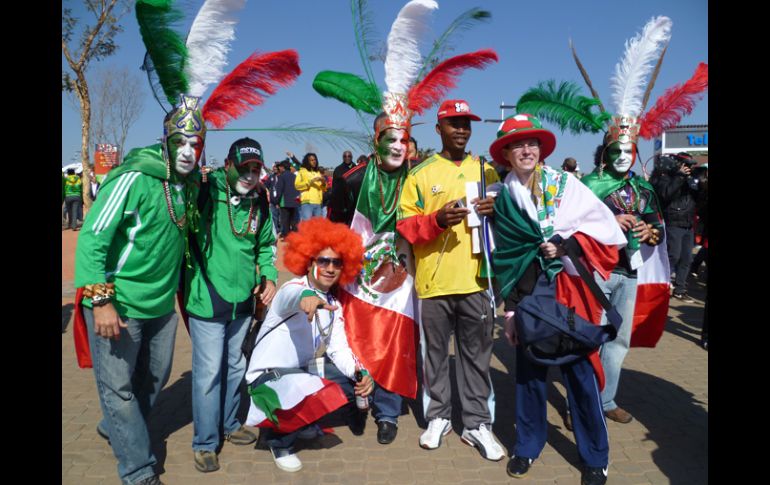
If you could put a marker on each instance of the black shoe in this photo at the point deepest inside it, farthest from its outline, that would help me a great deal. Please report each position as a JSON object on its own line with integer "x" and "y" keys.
{"x": 593, "y": 476}
{"x": 386, "y": 432}
{"x": 518, "y": 466}
{"x": 683, "y": 297}
{"x": 357, "y": 422}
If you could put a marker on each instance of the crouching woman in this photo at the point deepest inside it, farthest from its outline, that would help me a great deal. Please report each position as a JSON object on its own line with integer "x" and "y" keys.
{"x": 302, "y": 368}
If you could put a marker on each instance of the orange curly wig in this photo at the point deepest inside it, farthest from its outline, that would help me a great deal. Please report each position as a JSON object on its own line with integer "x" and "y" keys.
{"x": 317, "y": 234}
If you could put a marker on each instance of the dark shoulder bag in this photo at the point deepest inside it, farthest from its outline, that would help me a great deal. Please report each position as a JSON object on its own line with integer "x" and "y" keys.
{"x": 553, "y": 334}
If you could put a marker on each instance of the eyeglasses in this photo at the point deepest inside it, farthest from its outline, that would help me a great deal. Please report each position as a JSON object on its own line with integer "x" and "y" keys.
{"x": 323, "y": 262}
{"x": 520, "y": 146}
{"x": 347, "y": 156}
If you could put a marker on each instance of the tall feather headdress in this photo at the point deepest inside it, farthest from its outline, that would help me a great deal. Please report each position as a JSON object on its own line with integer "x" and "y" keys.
{"x": 181, "y": 71}
{"x": 631, "y": 84}
{"x": 413, "y": 83}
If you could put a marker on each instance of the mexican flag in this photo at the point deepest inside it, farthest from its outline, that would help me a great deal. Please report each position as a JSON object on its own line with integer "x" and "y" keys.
{"x": 379, "y": 307}
{"x": 293, "y": 401}
{"x": 652, "y": 295}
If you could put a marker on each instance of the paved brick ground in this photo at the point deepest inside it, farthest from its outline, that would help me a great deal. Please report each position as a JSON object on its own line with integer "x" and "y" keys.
{"x": 666, "y": 389}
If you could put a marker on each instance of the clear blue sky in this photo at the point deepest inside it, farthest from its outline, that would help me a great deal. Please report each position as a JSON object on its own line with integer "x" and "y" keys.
{"x": 531, "y": 39}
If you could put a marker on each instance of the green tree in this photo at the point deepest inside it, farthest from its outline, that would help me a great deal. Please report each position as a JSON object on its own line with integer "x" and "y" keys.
{"x": 84, "y": 41}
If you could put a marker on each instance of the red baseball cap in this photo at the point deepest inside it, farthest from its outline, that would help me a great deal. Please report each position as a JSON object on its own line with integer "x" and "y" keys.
{"x": 456, "y": 107}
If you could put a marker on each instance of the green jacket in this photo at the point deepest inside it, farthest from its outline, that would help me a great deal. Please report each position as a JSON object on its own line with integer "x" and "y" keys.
{"x": 230, "y": 262}
{"x": 128, "y": 236}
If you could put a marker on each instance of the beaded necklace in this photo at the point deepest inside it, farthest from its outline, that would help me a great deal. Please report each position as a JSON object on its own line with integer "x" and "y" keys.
{"x": 246, "y": 228}
{"x": 180, "y": 223}
{"x": 395, "y": 195}
{"x": 628, "y": 206}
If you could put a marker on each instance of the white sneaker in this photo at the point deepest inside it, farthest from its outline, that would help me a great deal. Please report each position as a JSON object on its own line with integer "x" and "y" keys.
{"x": 437, "y": 428}
{"x": 484, "y": 440}
{"x": 288, "y": 462}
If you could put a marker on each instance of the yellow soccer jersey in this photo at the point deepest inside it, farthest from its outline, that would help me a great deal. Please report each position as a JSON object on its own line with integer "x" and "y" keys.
{"x": 445, "y": 265}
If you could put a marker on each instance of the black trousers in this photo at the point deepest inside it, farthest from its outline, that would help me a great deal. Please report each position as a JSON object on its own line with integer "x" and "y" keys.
{"x": 288, "y": 220}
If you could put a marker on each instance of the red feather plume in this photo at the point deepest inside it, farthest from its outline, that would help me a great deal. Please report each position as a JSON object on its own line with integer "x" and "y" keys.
{"x": 676, "y": 102}
{"x": 249, "y": 83}
{"x": 438, "y": 82}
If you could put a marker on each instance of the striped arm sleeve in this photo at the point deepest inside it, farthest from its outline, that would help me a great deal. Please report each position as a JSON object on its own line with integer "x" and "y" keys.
{"x": 99, "y": 229}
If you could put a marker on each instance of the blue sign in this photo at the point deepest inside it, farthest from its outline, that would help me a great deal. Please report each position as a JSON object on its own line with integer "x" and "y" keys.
{"x": 695, "y": 140}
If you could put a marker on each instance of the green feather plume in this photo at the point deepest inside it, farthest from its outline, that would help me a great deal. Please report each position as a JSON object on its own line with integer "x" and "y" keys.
{"x": 350, "y": 89}
{"x": 464, "y": 21}
{"x": 301, "y": 132}
{"x": 564, "y": 106}
{"x": 165, "y": 47}
{"x": 363, "y": 30}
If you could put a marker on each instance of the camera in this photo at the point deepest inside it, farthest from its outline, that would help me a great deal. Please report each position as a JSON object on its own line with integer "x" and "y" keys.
{"x": 667, "y": 164}
{"x": 672, "y": 163}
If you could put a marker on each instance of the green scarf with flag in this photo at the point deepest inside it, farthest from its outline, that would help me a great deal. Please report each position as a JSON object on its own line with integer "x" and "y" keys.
{"x": 517, "y": 239}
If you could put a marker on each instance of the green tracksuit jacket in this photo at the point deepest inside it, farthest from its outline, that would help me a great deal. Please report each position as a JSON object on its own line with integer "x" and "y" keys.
{"x": 128, "y": 236}
{"x": 230, "y": 262}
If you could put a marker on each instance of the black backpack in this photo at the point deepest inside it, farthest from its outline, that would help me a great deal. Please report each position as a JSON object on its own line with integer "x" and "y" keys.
{"x": 552, "y": 334}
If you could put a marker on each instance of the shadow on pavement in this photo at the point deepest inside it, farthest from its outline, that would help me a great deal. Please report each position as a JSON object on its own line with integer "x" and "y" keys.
{"x": 66, "y": 316}
{"x": 172, "y": 412}
{"x": 676, "y": 422}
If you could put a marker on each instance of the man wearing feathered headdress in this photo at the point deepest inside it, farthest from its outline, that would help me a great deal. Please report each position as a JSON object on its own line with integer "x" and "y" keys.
{"x": 127, "y": 267}
{"x": 129, "y": 256}
{"x": 380, "y": 312}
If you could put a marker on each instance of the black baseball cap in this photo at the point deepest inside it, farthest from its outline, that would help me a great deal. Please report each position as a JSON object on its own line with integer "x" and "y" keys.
{"x": 244, "y": 151}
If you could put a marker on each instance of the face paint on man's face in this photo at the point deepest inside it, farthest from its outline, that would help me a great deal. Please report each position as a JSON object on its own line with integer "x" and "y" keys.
{"x": 184, "y": 152}
{"x": 392, "y": 148}
{"x": 621, "y": 156}
{"x": 243, "y": 178}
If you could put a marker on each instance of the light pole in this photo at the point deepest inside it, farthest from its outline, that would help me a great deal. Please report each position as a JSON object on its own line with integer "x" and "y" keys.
{"x": 503, "y": 107}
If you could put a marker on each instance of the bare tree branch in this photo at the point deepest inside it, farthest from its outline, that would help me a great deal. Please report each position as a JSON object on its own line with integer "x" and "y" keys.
{"x": 97, "y": 41}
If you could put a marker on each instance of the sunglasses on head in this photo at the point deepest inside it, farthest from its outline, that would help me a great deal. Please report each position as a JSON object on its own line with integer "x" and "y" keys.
{"x": 323, "y": 262}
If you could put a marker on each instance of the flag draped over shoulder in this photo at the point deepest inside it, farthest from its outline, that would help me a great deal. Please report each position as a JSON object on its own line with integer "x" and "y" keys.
{"x": 653, "y": 277}
{"x": 379, "y": 306}
{"x": 293, "y": 401}
{"x": 652, "y": 296}
{"x": 577, "y": 212}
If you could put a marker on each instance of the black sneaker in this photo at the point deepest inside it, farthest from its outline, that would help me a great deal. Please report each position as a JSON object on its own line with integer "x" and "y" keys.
{"x": 593, "y": 476}
{"x": 683, "y": 297}
{"x": 518, "y": 466}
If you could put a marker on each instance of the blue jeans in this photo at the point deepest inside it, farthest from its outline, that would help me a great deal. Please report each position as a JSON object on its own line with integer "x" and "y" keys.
{"x": 130, "y": 372}
{"x": 284, "y": 443}
{"x": 218, "y": 367}
{"x": 275, "y": 216}
{"x": 308, "y": 211}
{"x": 621, "y": 292}
{"x": 679, "y": 243}
{"x": 387, "y": 405}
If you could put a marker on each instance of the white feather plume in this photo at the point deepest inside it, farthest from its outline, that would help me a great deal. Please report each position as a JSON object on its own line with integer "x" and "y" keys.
{"x": 403, "y": 60}
{"x": 209, "y": 42}
{"x": 639, "y": 58}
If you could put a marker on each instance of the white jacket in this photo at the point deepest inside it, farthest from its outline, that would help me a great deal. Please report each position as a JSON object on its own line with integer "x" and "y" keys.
{"x": 294, "y": 342}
